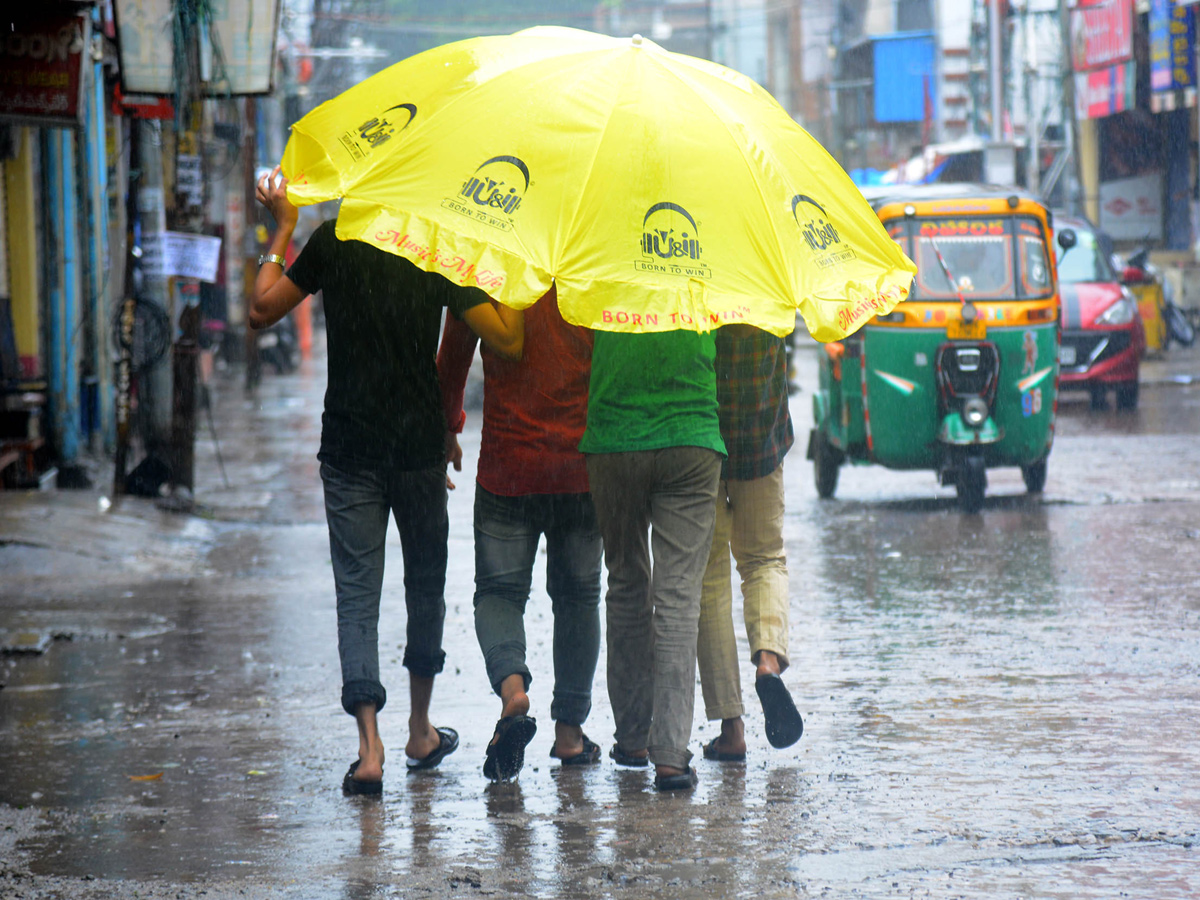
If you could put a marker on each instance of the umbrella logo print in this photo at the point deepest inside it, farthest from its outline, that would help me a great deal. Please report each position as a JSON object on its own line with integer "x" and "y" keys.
{"x": 818, "y": 232}
{"x": 493, "y": 193}
{"x": 671, "y": 242}
{"x": 378, "y": 130}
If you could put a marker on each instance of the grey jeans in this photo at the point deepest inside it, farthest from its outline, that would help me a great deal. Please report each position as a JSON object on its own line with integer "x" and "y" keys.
{"x": 653, "y": 611}
{"x": 507, "y": 532}
{"x": 357, "y": 505}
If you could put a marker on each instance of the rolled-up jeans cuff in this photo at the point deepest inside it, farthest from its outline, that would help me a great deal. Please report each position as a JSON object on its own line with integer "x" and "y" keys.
{"x": 359, "y": 691}
{"x": 677, "y": 759}
{"x": 570, "y": 709}
{"x": 424, "y": 666}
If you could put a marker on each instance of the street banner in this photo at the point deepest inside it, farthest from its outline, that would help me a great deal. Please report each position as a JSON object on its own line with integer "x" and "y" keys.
{"x": 1172, "y": 38}
{"x": 1131, "y": 209}
{"x": 41, "y": 69}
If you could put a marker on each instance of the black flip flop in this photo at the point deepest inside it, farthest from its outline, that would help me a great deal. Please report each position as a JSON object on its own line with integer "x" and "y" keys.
{"x": 447, "y": 744}
{"x": 684, "y": 781}
{"x": 711, "y": 752}
{"x": 621, "y": 758}
{"x": 783, "y": 723}
{"x": 351, "y": 785}
{"x": 589, "y": 756}
{"x": 506, "y": 754}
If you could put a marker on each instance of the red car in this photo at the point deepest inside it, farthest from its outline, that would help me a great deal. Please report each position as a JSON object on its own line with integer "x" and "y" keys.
{"x": 1102, "y": 334}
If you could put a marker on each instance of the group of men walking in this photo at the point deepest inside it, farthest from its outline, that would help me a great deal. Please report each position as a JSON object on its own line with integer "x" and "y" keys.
{"x": 658, "y": 453}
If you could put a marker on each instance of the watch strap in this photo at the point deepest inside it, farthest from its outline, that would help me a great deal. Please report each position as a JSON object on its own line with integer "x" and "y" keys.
{"x": 272, "y": 257}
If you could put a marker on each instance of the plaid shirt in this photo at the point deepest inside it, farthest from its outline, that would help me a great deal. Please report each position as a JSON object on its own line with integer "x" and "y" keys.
{"x": 752, "y": 392}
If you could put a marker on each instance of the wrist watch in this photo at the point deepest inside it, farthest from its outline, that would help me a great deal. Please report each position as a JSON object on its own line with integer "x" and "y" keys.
{"x": 272, "y": 257}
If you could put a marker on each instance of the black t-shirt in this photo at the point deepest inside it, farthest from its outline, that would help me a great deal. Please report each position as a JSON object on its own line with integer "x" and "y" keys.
{"x": 382, "y": 319}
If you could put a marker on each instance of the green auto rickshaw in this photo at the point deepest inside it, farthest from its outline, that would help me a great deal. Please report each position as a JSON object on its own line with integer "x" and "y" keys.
{"x": 962, "y": 376}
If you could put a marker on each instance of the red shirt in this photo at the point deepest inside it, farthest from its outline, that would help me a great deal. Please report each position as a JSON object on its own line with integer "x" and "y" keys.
{"x": 534, "y": 411}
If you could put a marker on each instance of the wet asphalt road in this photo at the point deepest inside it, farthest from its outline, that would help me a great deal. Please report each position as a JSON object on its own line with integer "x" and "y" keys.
{"x": 1000, "y": 705}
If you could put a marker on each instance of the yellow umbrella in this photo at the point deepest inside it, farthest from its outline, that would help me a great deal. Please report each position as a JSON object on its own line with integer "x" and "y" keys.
{"x": 658, "y": 191}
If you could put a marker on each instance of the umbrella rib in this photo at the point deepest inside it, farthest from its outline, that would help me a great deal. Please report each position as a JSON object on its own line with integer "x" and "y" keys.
{"x": 725, "y": 114}
{"x": 591, "y": 167}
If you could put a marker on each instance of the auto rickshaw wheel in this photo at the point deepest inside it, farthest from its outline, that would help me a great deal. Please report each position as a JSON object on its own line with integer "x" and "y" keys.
{"x": 971, "y": 483}
{"x": 1034, "y": 476}
{"x": 826, "y": 461}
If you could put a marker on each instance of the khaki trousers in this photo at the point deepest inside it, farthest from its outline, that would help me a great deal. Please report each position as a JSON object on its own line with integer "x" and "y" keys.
{"x": 749, "y": 522}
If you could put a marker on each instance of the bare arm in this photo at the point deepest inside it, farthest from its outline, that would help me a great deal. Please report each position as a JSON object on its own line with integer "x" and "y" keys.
{"x": 275, "y": 295}
{"x": 500, "y": 327}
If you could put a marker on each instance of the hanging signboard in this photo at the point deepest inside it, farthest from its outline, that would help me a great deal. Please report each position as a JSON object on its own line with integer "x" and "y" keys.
{"x": 41, "y": 69}
{"x": 243, "y": 47}
{"x": 145, "y": 43}
{"x": 1131, "y": 209}
{"x": 1172, "y": 37}
{"x": 237, "y": 54}
{"x": 1105, "y": 91}
{"x": 1101, "y": 33}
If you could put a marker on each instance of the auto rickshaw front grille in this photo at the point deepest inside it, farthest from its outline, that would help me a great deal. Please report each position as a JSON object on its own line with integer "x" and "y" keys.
{"x": 968, "y": 370}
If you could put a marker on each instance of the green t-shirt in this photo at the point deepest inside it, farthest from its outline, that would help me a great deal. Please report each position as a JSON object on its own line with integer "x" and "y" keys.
{"x": 650, "y": 391}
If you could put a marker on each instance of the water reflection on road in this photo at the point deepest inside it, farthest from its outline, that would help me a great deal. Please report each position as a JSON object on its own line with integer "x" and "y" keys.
{"x": 995, "y": 705}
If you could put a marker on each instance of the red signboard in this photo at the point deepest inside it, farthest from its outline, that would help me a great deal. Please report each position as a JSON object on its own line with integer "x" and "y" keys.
{"x": 41, "y": 68}
{"x": 1105, "y": 92}
{"x": 140, "y": 106}
{"x": 1101, "y": 33}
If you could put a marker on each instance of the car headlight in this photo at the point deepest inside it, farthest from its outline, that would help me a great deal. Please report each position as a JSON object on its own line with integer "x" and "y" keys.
{"x": 1120, "y": 313}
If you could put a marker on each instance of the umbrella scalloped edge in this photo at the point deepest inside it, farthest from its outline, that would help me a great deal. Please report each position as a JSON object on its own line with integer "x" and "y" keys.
{"x": 464, "y": 261}
{"x": 834, "y": 318}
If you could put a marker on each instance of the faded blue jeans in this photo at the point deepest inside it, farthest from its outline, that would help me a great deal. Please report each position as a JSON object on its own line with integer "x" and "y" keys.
{"x": 507, "y": 531}
{"x": 357, "y": 506}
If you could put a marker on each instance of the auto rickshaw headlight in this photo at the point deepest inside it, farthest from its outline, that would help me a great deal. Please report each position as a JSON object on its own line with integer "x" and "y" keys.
{"x": 975, "y": 412}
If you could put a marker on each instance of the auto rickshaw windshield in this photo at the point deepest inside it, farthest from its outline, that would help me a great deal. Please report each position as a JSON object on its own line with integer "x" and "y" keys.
{"x": 988, "y": 257}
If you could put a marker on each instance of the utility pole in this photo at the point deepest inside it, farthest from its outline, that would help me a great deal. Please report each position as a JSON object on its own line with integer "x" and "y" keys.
{"x": 1028, "y": 79}
{"x": 187, "y": 216}
{"x": 996, "y": 68}
{"x": 249, "y": 265}
{"x": 1068, "y": 112}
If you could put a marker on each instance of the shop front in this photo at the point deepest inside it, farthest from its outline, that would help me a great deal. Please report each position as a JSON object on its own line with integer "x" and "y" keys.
{"x": 1136, "y": 104}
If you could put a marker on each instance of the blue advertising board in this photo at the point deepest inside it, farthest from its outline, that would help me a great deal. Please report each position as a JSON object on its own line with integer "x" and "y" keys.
{"x": 1172, "y": 39}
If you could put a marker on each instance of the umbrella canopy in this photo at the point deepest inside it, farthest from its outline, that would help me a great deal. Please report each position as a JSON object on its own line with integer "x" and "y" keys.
{"x": 658, "y": 191}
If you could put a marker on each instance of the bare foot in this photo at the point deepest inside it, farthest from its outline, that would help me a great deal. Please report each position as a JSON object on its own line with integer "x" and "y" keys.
{"x": 568, "y": 740}
{"x": 768, "y": 663}
{"x": 370, "y": 747}
{"x": 732, "y": 738}
{"x": 423, "y": 738}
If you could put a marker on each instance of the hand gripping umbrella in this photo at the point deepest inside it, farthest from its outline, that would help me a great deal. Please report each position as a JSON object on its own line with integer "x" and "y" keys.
{"x": 658, "y": 191}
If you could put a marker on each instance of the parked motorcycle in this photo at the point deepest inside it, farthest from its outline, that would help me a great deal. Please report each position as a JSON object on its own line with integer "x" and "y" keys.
{"x": 279, "y": 346}
{"x": 1143, "y": 277}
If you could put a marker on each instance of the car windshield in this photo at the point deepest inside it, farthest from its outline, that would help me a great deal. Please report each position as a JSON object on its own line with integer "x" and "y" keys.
{"x": 988, "y": 258}
{"x": 1086, "y": 261}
